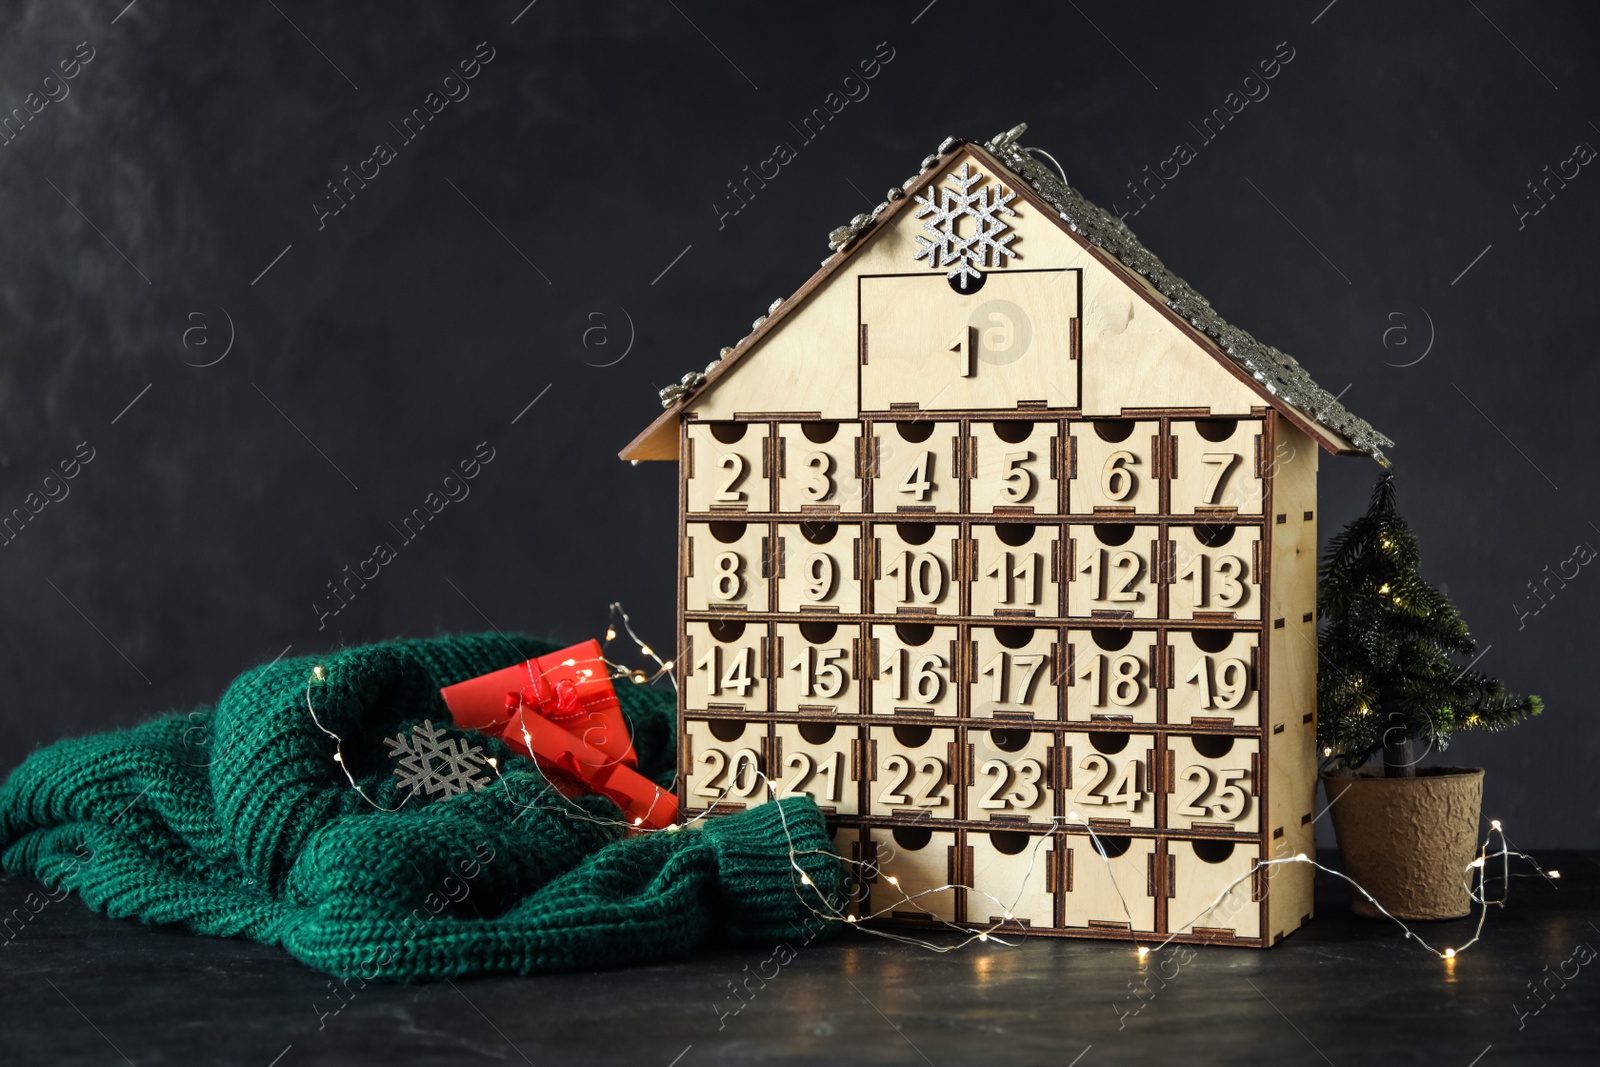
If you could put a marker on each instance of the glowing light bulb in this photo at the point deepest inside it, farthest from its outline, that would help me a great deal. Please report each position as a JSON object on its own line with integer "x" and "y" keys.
{"x": 849, "y": 918}
{"x": 667, "y": 666}
{"x": 638, "y": 677}
{"x": 1009, "y": 915}
{"x": 893, "y": 880}
{"x": 1494, "y": 823}
{"x": 982, "y": 936}
{"x": 637, "y": 821}
{"x": 1478, "y": 862}
{"x": 1074, "y": 816}
{"x": 338, "y": 758}
{"x": 805, "y": 879}
{"x": 645, "y": 649}
{"x": 1384, "y": 588}
{"x": 673, "y": 828}
{"x": 318, "y": 674}
{"x": 1143, "y": 952}
{"x": 491, "y": 761}
{"x": 1327, "y": 751}
{"x": 1555, "y": 874}
{"x": 1300, "y": 857}
{"x": 1449, "y": 953}
{"x": 611, "y": 635}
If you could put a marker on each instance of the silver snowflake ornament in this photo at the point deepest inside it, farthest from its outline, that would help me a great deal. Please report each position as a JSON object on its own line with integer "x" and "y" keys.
{"x": 432, "y": 762}
{"x": 944, "y": 210}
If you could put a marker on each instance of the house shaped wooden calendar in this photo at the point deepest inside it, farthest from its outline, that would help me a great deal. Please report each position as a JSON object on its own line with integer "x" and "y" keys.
{"x": 998, "y": 542}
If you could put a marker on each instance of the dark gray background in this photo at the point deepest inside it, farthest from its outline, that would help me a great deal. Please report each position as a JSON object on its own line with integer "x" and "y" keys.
{"x": 1334, "y": 218}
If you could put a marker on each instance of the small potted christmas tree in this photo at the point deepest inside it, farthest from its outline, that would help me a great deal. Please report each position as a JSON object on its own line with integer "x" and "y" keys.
{"x": 1389, "y": 686}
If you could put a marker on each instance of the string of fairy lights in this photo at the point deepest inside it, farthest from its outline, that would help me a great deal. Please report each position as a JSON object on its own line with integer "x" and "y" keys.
{"x": 1475, "y": 875}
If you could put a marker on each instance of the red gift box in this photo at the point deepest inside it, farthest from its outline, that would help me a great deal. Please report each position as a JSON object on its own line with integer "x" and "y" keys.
{"x": 561, "y": 710}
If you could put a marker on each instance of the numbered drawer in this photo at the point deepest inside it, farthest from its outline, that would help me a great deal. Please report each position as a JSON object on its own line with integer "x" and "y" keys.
{"x": 1216, "y": 467}
{"x": 1108, "y": 779}
{"x": 1212, "y": 783}
{"x": 726, "y": 568}
{"x": 1011, "y": 774}
{"x": 1013, "y": 878}
{"x": 1111, "y": 675}
{"x": 821, "y": 760}
{"x": 1110, "y": 882}
{"x": 916, "y": 467}
{"x": 817, "y": 667}
{"x": 1216, "y": 572}
{"x": 913, "y": 771}
{"x": 911, "y": 873}
{"x": 727, "y": 761}
{"x": 1214, "y": 677}
{"x": 1013, "y": 671}
{"x": 1013, "y": 467}
{"x": 726, "y": 666}
{"x": 819, "y": 467}
{"x": 729, "y": 467}
{"x": 1201, "y": 872}
{"x": 1014, "y": 570}
{"x": 914, "y": 569}
{"x": 913, "y": 669}
{"x": 819, "y": 567}
{"x": 1115, "y": 467}
{"x": 1113, "y": 571}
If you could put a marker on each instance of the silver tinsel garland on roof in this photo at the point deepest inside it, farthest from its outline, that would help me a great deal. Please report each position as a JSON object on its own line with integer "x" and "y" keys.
{"x": 1278, "y": 372}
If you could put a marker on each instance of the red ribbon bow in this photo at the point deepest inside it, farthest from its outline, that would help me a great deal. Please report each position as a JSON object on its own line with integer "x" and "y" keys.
{"x": 561, "y": 710}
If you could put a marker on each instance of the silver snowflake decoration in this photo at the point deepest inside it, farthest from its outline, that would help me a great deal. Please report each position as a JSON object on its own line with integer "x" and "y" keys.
{"x": 432, "y": 762}
{"x": 988, "y": 241}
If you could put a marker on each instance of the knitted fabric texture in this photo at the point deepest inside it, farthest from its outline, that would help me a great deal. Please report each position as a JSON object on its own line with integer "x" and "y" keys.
{"x": 236, "y": 821}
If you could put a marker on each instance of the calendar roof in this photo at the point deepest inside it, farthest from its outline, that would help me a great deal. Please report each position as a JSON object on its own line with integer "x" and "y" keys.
{"x": 1274, "y": 375}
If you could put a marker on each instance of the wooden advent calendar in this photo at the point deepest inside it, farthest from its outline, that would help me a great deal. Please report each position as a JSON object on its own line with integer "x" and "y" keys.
{"x": 994, "y": 534}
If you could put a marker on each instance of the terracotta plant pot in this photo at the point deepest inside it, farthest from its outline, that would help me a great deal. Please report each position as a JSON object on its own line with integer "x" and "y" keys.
{"x": 1408, "y": 841}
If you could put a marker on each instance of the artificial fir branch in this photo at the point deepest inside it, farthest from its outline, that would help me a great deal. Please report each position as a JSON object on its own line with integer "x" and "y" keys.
{"x": 1387, "y": 642}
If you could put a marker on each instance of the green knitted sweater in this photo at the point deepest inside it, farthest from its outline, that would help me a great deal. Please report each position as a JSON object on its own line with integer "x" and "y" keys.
{"x": 236, "y": 821}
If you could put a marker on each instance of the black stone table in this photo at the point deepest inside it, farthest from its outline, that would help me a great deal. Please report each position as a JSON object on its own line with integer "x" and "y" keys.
{"x": 81, "y": 989}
